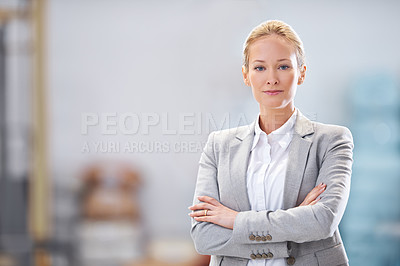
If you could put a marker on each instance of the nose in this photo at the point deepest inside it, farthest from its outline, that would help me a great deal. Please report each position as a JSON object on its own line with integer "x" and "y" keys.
{"x": 272, "y": 82}
{"x": 272, "y": 79}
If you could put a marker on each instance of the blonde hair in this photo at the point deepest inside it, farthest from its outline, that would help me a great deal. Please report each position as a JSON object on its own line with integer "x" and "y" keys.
{"x": 274, "y": 27}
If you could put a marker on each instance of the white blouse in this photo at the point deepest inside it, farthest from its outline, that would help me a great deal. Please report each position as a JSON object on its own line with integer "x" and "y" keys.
{"x": 266, "y": 174}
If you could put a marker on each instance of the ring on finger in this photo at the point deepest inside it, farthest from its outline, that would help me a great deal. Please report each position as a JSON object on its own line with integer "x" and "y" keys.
{"x": 205, "y": 212}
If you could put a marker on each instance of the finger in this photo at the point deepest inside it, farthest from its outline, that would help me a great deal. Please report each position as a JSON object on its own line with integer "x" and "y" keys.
{"x": 314, "y": 201}
{"x": 209, "y": 200}
{"x": 200, "y": 213}
{"x": 315, "y": 192}
{"x": 318, "y": 188}
{"x": 204, "y": 219}
{"x": 201, "y": 206}
{"x": 310, "y": 197}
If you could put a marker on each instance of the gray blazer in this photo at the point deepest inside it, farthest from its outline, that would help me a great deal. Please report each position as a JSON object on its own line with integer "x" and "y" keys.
{"x": 306, "y": 235}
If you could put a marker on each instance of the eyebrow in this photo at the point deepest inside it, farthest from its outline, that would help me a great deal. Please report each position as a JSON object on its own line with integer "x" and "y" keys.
{"x": 279, "y": 60}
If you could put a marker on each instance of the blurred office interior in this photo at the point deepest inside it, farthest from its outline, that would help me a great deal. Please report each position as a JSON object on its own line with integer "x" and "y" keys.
{"x": 105, "y": 107}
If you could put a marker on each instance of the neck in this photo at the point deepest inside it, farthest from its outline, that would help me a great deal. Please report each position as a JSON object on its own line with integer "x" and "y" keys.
{"x": 272, "y": 119}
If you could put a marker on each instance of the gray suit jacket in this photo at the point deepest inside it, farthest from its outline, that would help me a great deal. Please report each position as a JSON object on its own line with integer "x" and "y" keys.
{"x": 306, "y": 235}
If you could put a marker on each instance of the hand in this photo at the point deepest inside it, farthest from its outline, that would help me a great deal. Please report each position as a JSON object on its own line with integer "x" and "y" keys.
{"x": 210, "y": 210}
{"x": 313, "y": 196}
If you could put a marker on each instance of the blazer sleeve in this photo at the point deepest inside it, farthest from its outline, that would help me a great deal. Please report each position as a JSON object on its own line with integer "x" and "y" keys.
{"x": 212, "y": 239}
{"x": 309, "y": 223}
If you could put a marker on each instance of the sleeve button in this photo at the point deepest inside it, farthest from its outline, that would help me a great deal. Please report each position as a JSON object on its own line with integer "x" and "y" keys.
{"x": 291, "y": 260}
{"x": 252, "y": 237}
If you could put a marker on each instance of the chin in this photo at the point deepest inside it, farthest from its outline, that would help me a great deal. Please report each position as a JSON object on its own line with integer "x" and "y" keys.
{"x": 272, "y": 104}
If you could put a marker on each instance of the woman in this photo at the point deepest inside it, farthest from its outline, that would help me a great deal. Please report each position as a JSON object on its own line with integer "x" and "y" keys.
{"x": 273, "y": 192}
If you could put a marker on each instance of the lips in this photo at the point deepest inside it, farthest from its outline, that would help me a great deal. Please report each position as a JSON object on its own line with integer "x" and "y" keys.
{"x": 273, "y": 92}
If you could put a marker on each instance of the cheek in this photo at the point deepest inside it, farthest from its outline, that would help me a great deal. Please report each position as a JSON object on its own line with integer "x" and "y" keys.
{"x": 289, "y": 79}
{"x": 253, "y": 78}
{"x": 254, "y": 74}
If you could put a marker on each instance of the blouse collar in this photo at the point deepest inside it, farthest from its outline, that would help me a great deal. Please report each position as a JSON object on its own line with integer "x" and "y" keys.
{"x": 283, "y": 135}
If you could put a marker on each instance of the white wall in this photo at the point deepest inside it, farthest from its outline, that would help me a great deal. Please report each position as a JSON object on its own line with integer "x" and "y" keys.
{"x": 185, "y": 56}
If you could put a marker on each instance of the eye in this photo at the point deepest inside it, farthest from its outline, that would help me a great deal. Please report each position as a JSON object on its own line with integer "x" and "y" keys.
{"x": 284, "y": 67}
{"x": 259, "y": 68}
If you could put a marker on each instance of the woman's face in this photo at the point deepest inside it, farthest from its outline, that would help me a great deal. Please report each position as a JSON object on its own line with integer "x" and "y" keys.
{"x": 273, "y": 73}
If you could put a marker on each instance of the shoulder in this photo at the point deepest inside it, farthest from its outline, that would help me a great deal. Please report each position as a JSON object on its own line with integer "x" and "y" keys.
{"x": 221, "y": 140}
{"x": 331, "y": 139}
{"x": 320, "y": 132}
{"x": 331, "y": 132}
{"x": 226, "y": 136}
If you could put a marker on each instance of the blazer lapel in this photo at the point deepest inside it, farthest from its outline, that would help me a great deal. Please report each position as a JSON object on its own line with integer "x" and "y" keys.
{"x": 298, "y": 155}
{"x": 239, "y": 154}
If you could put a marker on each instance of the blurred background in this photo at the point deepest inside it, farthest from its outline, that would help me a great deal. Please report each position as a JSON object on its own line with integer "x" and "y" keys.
{"x": 105, "y": 107}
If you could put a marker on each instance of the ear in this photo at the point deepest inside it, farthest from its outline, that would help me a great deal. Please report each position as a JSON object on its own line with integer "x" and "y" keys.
{"x": 245, "y": 76}
{"x": 302, "y": 75}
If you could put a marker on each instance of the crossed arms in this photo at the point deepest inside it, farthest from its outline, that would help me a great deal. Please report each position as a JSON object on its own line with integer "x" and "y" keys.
{"x": 226, "y": 232}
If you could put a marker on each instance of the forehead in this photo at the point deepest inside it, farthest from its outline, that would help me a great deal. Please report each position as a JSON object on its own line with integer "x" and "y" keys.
{"x": 271, "y": 47}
